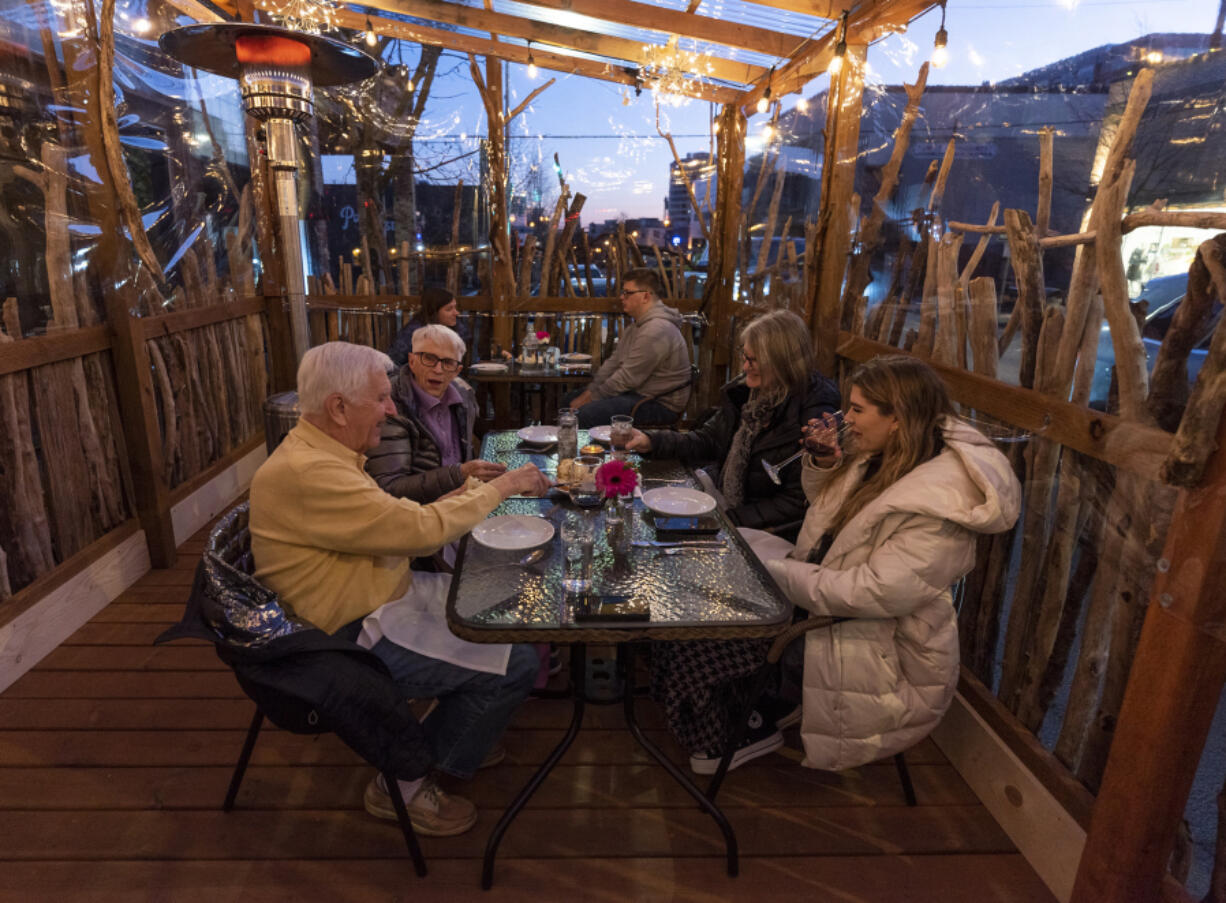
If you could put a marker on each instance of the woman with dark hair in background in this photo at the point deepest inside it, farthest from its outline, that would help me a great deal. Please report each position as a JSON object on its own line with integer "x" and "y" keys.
{"x": 437, "y": 306}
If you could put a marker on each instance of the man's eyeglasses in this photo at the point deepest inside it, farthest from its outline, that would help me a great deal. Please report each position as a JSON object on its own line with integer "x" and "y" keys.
{"x": 449, "y": 364}
{"x": 627, "y": 292}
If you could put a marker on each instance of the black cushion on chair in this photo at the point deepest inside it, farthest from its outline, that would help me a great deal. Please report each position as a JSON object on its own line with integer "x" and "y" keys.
{"x": 303, "y": 679}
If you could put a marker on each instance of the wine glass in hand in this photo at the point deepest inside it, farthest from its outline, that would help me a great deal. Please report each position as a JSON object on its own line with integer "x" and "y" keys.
{"x": 821, "y": 436}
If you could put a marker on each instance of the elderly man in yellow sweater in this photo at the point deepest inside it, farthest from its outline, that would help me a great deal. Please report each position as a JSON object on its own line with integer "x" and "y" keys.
{"x": 336, "y": 549}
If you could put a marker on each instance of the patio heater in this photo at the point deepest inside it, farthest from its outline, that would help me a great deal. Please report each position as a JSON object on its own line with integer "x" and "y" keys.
{"x": 276, "y": 70}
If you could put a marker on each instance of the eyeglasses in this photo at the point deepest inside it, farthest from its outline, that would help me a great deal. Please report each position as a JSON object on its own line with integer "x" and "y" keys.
{"x": 430, "y": 361}
{"x": 752, "y": 361}
{"x": 626, "y": 293}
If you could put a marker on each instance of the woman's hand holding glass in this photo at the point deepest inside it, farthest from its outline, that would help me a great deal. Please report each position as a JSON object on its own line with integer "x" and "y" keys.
{"x": 821, "y": 439}
{"x": 638, "y": 442}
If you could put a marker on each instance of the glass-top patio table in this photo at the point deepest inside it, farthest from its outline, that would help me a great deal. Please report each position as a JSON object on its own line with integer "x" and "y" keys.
{"x": 692, "y": 595}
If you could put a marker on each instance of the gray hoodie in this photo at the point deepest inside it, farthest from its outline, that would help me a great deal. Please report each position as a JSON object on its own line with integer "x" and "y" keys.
{"x": 650, "y": 357}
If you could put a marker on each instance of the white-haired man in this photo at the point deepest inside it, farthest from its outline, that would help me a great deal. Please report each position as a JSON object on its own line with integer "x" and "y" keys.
{"x": 336, "y": 548}
{"x": 426, "y": 445}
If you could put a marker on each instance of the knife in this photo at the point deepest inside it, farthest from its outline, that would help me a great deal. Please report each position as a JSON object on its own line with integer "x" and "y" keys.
{"x": 680, "y": 544}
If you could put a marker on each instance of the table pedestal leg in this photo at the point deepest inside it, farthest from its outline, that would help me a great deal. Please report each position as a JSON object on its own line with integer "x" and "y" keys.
{"x": 708, "y": 805}
{"x": 578, "y": 659}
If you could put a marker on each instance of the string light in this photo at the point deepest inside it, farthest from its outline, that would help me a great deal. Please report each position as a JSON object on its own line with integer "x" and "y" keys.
{"x": 940, "y": 53}
{"x": 531, "y": 62}
{"x": 671, "y": 74}
{"x": 310, "y": 16}
{"x": 802, "y": 105}
{"x": 371, "y": 38}
{"x": 764, "y": 101}
{"x": 840, "y": 48}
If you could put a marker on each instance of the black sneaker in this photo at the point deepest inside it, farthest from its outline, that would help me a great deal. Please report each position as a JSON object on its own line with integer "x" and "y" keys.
{"x": 761, "y": 738}
{"x": 783, "y": 712}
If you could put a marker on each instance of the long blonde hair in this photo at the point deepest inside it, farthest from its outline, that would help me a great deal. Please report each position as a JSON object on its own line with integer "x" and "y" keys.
{"x": 785, "y": 352}
{"x": 910, "y": 390}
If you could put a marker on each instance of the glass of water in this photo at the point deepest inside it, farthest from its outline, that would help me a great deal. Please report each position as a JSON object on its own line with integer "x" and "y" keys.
{"x": 578, "y": 536}
{"x": 620, "y": 428}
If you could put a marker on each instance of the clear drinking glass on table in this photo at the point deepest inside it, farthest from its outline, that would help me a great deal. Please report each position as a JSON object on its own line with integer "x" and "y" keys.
{"x": 620, "y": 428}
{"x": 568, "y": 434}
{"x": 578, "y": 536}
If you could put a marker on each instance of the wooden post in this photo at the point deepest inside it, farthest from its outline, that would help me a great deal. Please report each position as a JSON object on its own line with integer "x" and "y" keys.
{"x": 1177, "y": 678}
{"x": 725, "y": 224}
{"x": 838, "y": 184}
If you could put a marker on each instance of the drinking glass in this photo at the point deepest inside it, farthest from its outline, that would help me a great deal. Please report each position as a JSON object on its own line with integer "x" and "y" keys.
{"x": 585, "y": 494}
{"x": 578, "y": 536}
{"x": 620, "y": 428}
{"x": 568, "y": 434}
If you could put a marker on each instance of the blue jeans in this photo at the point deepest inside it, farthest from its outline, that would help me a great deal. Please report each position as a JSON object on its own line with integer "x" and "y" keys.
{"x": 597, "y": 413}
{"x": 473, "y": 708}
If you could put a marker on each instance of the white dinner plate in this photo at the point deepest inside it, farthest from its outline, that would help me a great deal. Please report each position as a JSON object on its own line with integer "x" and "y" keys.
{"x": 576, "y": 358}
{"x": 513, "y": 532}
{"x": 601, "y": 434}
{"x": 539, "y": 435}
{"x": 489, "y": 367}
{"x": 678, "y": 502}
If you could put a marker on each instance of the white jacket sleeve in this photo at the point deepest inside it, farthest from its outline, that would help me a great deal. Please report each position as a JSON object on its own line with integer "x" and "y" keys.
{"x": 913, "y": 566}
{"x": 813, "y": 479}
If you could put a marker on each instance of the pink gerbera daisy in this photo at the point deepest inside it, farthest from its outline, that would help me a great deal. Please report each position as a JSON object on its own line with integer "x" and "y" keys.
{"x": 542, "y": 336}
{"x": 615, "y": 478}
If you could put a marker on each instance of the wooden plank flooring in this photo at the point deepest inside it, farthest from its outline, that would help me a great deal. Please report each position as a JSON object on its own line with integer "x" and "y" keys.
{"x": 115, "y": 755}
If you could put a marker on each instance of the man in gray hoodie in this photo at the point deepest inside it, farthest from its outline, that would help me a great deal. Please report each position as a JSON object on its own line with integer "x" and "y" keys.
{"x": 650, "y": 361}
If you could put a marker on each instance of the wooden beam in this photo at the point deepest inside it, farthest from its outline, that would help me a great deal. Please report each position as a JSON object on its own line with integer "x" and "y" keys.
{"x": 869, "y": 22}
{"x": 834, "y": 218}
{"x": 546, "y": 33}
{"x": 178, "y": 321}
{"x": 514, "y": 53}
{"x": 54, "y": 346}
{"x": 1133, "y": 447}
{"x": 1050, "y": 771}
{"x": 1173, "y": 689}
{"x": 669, "y": 21}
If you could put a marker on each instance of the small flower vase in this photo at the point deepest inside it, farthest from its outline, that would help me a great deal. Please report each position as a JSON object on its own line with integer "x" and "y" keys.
{"x": 615, "y": 510}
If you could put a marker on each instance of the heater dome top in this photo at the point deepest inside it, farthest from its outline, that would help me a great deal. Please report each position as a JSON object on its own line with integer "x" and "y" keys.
{"x": 210, "y": 46}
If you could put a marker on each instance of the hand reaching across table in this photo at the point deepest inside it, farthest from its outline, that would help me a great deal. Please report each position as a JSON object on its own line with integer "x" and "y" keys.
{"x": 526, "y": 480}
{"x": 482, "y": 470}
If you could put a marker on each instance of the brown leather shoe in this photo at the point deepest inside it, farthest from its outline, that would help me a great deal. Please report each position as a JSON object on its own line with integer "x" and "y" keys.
{"x": 433, "y": 812}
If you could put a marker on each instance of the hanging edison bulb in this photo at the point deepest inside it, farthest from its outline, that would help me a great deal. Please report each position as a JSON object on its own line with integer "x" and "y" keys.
{"x": 940, "y": 50}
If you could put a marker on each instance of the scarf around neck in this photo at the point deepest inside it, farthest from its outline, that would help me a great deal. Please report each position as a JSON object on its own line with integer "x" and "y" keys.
{"x": 755, "y": 415}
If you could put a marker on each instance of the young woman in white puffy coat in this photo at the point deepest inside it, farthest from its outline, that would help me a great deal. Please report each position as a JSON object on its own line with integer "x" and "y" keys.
{"x": 890, "y": 527}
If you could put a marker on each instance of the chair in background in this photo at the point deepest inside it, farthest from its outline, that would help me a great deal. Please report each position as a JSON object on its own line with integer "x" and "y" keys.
{"x": 303, "y": 680}
{"x": 691, "y": 381}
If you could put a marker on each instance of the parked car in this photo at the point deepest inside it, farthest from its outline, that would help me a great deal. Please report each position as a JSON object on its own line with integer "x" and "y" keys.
{"x": 1164, "y": 294}
{"x": 579, "y": 274}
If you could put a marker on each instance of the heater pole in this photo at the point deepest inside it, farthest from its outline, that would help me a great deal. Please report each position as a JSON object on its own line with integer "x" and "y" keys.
{"x": 283, "y": 161}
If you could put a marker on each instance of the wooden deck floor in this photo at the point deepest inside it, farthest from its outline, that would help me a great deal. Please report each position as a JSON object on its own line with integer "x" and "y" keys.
{"x": 115, "y": 755}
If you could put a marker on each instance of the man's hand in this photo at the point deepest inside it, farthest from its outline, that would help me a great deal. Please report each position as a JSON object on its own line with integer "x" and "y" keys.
{"x": 638, "y": 441}
{"x": 482, "y": 470}
{"x": 584, "y": 398}
{"x": 526, "y": 480}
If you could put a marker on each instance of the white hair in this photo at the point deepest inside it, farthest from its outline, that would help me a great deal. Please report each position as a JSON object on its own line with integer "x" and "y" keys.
{"x": 443, "y": 335}
{"x": 337, "y": 367}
